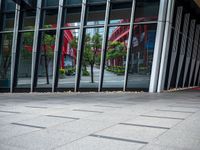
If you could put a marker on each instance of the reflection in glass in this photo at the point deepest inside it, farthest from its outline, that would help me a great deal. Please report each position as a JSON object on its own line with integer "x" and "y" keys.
{"x": 96, "y": 14}
{"x": 5, "y": 59}
{"x": 71, "y": 16}
{"x": 141, "y": 56}
{"x": 28, "y": 20}
{"x": 50, "y": 18}
{"x": 9, "y": 5}
{"x": 146, "y": 10}
{"x": 8, "y": 21}
{"x": 67, "y": 66}
{"x": 25, "y": 60}
{"x": 45, "y": 68}
{"x": 90, "y": 68}
{"x": 120, "y": 12}
{"x": 47, "y": 3}
{"x": 116, "y": 57}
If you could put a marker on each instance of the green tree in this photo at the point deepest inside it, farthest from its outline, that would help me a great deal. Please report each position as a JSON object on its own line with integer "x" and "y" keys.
{"x": 27, "y": 41}
{"x": 5, "y": 55}
{"x": 91, "y": 49}
{"x": 47, "y": 46}
{"x": 116, "y": 50}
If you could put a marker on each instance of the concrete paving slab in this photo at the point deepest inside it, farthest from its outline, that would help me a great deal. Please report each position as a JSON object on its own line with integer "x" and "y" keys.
{"x": 159, "y": 122}
{"x": 93, "y": 143}
{"x": 132, "y": 132}
{"x": 168, "y": 114}
{"x": 159, "y": 147}
{"x": 45, "y": 121}
{"x": 42, "y": 140}
{"x": 83, "y": 126}
{"x": 9, "y": 131}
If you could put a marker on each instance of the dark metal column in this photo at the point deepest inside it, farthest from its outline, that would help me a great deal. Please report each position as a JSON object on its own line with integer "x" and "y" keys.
{"x": 35, "y": 46}
{"x": 57, "y": 47}
{"x": 80, "y": 45}
{"x": 175, "y": 43}
{"x": 183, "y": 47}
{"x": 14, "y": 46}
{"x": 194, "y": 54}
{"x": 197, "y": 69}
{"x": 104, "y": 45}
{"x": 189, "y": 50}
{"x": 130, "y": 38}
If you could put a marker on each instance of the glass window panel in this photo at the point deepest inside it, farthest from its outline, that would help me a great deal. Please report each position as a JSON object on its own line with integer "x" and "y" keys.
{"x": 45, "y": 66}
{"x": 120, "y": 12}
{"x": 116, "y": 57}
{"x": 8, "y": 21}
{"x": 141, "y": 56}
{"x": 5, "y": 59}
{"x": 50, "y": 3}
{"x": 96, "y": 1}
{"x": 25, "y": 60}
{"x": 71, "y": 16}
{"x": 90, "y": 68}
{"x": 50, "y": 18}
{"x": 73, "y": 2}
{"x": 146, "y": 10}
{"x": 28, "y": 20}
{"x": 96, "y": 14}
{"x": 9, "y": 5}
{"x": 67, "y": 67}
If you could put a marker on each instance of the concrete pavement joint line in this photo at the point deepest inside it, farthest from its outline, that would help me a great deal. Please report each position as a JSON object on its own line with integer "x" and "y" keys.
{"x": 107, "y": 106}
{"x": 185, "y": 106}
{"x": 88, "y": 110}
{"x": 185, "y": 102}
{"x": 36, "y": 107}
{"x": 13, "y": 112}
{"x": 118, "y": 139}
{"x": 146, "y": 126}
{"x": 62, "y": 117}
{"x": 26, "y": 125}
{"x": 190, "y": 112}
{"x": 162, "y": 117}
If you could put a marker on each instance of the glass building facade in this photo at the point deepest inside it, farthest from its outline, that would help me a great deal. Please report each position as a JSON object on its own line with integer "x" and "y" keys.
{"x": 94, "y": 45}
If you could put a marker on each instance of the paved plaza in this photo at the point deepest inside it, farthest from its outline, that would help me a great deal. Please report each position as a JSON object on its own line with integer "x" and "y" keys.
{"x": 100, "y": 121}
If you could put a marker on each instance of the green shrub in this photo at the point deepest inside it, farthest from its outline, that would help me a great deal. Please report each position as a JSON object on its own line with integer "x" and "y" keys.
{"x": 85, "y": 73}
{"x": 62, "y": 71}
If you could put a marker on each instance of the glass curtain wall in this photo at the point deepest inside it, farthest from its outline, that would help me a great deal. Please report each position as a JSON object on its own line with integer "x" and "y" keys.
{"x": 91, "y": 52}
{"x": 46, "y": 43}
{"x": 141, "y": 53}
{"x": 7, "y": 15}
{"x": 25, "y": 47}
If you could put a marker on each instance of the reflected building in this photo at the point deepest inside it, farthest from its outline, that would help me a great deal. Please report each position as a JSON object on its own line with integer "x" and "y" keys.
{"x": 99, "y": 45}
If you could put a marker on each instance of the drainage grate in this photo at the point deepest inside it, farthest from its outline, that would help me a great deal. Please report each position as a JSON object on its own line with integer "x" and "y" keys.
{"x": 37, "y": 107}
{"x": 107, "y": 106}
{"x": 13, "y": 112}
{"x": 63, "y": 117}
{"x": 26, "y": 125}
{"x": 175, "y": 111}
{"x": 118, "y": 139}
{"x": 139, "y": 125}
{"x": 162, "y": 117}
{"x": 87, "y": 110}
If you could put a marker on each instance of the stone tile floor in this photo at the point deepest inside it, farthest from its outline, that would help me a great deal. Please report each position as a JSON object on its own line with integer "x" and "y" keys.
{"x": 100, "y": 121}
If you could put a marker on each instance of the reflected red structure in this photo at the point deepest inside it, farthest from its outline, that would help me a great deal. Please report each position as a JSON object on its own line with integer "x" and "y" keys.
{"x": 121, "y": 34}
